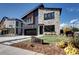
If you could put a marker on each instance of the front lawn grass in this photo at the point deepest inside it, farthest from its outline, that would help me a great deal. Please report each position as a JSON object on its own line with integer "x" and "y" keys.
{"x": 53, "y": 38}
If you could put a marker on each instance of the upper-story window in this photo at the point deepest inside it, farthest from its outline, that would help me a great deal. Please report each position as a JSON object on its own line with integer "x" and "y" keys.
{"x": 29, "y": 20}
{"x": 11, "y": 26}
{"x": 48, "y": 16}
{"x": 21, "y": 24}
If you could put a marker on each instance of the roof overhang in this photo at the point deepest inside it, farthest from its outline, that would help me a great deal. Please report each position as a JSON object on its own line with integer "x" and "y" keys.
{"x": 60, "y": 9}
{"x": 41, "y": 5}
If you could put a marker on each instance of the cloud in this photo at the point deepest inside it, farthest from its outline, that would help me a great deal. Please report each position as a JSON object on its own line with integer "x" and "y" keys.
{"x": 63, "y": 25}
{"x": 70, "y": 9}
{"x": 74, "y": 20}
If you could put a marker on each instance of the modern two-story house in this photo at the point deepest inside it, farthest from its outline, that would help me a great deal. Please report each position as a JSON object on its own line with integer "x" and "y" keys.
{"x": 11, "y": 26}
{"x": 42, "y": 20}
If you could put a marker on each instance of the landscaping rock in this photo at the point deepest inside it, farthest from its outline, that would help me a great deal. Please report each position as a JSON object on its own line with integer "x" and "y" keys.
{"x": 36, "y": 40}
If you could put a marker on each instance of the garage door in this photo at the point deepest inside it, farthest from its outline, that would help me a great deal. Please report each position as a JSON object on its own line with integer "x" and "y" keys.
{"x": 30, "y": 32}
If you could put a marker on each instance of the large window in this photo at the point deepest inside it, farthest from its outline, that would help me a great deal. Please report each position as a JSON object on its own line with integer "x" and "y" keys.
{"x": 49, "y": 28}
{"x": 11, "y": 26}
{"x": 48, "y": 16}
{"x": 29, "y": 20}
{"x": 21, "y": 24}
{"x": 17, "y": 23}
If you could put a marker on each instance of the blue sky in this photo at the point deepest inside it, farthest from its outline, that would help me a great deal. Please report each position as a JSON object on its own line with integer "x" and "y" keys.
{"x": 69, "y": 11}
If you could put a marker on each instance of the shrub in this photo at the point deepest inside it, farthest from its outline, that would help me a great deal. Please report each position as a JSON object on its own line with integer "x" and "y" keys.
{"x": 76, "y": 41}
{"x": 70, "y": 50}
{"x": 70, "y": 45}
{"x": 68, "y": 32}
{"x": 66, "y": 29}
{"x": 62, "y": 44}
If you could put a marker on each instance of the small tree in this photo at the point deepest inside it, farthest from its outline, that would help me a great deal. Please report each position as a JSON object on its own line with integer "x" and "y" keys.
{"x": 65, "y": 29}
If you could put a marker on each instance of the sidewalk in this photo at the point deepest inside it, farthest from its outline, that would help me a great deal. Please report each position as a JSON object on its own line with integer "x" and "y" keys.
{"x": 8, "y": 50}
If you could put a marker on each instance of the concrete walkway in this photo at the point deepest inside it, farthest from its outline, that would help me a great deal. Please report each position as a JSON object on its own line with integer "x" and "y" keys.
{"x": 9, "y": 50}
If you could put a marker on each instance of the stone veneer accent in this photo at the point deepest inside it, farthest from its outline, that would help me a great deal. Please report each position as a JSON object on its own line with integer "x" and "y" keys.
{"x": 55, "y": 21}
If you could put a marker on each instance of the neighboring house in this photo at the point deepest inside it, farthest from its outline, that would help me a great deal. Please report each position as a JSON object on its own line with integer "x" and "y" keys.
{"x": 11, "y": 26}
{"x": 42, "y": 20}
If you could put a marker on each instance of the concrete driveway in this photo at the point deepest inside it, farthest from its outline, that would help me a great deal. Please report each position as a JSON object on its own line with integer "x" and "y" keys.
{"x": 9, "y": 50}
{"x": 13, "y": 38}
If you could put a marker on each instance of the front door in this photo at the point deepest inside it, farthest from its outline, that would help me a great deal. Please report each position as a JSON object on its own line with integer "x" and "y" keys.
{"x": 41, "y": 29}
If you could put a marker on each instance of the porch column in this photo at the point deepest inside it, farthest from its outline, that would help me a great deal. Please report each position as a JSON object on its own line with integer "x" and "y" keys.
{"x": 38, "y": 29}
{"x": 43, "y": 29}
{"x": 57, "y": 29}
{"x": 22, "y": 31}
{"x": 15, "y": 31}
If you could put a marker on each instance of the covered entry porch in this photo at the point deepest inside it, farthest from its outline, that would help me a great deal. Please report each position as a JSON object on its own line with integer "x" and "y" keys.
{"x": 40, "y": 30}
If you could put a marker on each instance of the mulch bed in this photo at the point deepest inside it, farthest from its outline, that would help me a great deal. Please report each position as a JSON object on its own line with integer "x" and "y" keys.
{"x": 50, "y": 49}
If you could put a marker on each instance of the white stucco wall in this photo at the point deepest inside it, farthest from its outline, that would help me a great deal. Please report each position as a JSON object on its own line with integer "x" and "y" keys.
{"x": 10, "y": 24}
